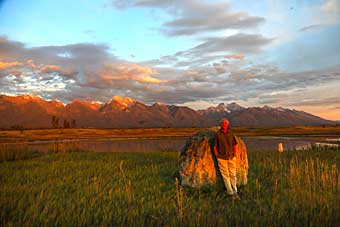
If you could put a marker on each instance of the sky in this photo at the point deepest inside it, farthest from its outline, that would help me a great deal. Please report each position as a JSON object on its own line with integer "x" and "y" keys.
{"x": 184, "y": 52}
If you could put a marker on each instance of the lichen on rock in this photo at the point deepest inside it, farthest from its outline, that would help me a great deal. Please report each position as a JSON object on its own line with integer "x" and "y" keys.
{"x": 198, "y": 166}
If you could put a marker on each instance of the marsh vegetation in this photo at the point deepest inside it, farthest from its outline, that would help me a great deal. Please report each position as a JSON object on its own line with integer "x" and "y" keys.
{"x": 79, "y": 188}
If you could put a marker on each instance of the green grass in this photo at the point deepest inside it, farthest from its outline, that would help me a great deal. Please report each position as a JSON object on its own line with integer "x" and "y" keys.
{"x": 140, "y": 189}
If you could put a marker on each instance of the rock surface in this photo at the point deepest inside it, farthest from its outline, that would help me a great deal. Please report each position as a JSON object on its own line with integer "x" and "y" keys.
{"x": 198, "y": 165}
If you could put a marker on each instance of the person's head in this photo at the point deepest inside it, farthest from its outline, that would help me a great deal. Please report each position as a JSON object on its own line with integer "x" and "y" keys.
{"x": 224, "y": 123}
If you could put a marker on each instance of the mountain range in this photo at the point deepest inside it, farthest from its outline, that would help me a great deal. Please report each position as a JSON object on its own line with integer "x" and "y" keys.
{"x": 29, "y": 111}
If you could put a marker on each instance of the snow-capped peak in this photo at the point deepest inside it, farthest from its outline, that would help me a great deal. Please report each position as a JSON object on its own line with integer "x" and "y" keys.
{"x": 159, "y": 104}
{"x": 126, "y": 101}
{"x": 232, "y": 107}
{"x": 30, "y": 97}
{"x": 222, "y": 108}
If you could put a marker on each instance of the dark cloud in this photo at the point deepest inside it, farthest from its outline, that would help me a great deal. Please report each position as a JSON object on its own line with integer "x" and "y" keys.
{"x": 57, "y": 69}
{"x": 257, "y": 81}
{"x": 311, "y": 27}
{"x": 155, "y": 3}
{"x": 192, "y": 17}
{"x": 239, "y": 43}
{"x": 238, "y": 80}
{"x": 44, "y": 69}
{"x": 317, "y": 102}
{"x": 69, "y": 69}
{"x": 78, "y": 55}
{"x": 309, "y": 88}
{"x": 230, "y": 48}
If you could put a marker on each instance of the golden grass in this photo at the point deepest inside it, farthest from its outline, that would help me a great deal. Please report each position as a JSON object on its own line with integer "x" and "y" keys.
{"x": 139, "y": 189}
{"x": 58, "y": 134}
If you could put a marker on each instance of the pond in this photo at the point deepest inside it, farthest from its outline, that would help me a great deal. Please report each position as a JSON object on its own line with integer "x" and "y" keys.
{"x": 262, "y": 143}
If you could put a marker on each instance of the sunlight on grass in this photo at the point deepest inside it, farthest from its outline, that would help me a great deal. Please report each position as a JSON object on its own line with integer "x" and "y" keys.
{"x": 140, "y": 189}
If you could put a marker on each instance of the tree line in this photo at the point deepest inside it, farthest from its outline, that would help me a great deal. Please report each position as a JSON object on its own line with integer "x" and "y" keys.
{"x": 58, "y": 123}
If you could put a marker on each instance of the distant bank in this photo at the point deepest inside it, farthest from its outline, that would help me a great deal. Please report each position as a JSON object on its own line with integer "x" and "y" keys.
{"x": 77, "y": 133}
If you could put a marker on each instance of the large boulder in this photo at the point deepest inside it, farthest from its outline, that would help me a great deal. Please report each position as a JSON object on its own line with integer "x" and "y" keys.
{"x": 198, "y": 165}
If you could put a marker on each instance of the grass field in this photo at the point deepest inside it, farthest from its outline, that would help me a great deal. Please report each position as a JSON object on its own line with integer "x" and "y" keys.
{"x": 77, "y": 133}
{"x": 140, "y": 189}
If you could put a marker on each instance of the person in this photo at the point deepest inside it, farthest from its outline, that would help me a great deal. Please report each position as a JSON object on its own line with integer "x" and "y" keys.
{"x": 225, "y": 150}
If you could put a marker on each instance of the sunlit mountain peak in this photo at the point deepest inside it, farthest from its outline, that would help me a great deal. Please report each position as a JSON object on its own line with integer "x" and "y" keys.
{"x": 123, "y": 101}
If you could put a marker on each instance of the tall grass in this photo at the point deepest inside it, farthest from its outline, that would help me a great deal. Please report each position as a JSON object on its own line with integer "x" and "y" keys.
{"x": 18, "y": 152}
{"x": 139, "y": 189}
{"x": 21, "y": 151}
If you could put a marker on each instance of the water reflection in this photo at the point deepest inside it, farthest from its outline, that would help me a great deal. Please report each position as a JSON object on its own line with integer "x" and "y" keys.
{"x": 169, "y": 144}
{"x": 271, "y": 143}
{"x": 107, "y": 145}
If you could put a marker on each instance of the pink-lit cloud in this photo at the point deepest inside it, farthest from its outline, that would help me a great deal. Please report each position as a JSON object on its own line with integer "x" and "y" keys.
{"x": 235, "y": 56}
{"x": 15, "y": 72}
{"x": 6, "y": 65}
{"x": 128, "y": 71}
{"x": 56, "y": 69}
{"x": 31, "y": 64}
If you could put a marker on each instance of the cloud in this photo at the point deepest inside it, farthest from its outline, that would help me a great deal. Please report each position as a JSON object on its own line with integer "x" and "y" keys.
{"x": 331, "y": 6}
{"x": 15, "y": 72}
{"x": 219, "y": 68}
{"x": 234, "y": 56}
{"x": 244, "y": 82}
{"x": 18, "y": 69}
{"x": 198, "y": 18}
{"x": 325, "y": 13}
{"x": 6, "y": 65}
{"x": 43, "y": 70}
{"x": 83, "y": 54}
{"x": 31, "y": 64}
{"x": 207, "y": 77}
{"x": 236, "y": 80}
{"x": 311, "y": 27}
{"x": 241, "y": 43}
{"x": 128, "y": 71}
{"x": 316, "y": 102}
{"x": 193, "y": 17}
{"x": 57, "y": 69}
{"x": 307, "y": 89}
{"x": 316, "y": 49}
{"x": 323, "y": 104}
{"x": 48, "y": 59}
{"x": 90, "y": 71}
{"x": 8, "y": 68}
